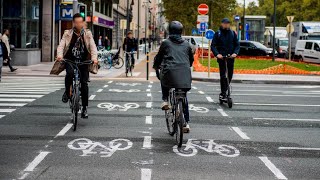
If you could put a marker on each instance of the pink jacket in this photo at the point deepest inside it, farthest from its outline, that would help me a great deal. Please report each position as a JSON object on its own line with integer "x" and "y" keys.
{"x": 88, "y": 39}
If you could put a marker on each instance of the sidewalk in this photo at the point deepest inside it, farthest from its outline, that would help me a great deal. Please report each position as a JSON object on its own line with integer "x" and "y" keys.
{"x": 260, "y": 78}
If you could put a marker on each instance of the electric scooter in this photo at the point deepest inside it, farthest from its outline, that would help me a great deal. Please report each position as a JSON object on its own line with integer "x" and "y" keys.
{"x": 227, "y": 98}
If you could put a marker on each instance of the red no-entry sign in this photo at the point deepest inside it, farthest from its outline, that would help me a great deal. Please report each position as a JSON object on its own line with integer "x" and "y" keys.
{"x": 203, "y": 9}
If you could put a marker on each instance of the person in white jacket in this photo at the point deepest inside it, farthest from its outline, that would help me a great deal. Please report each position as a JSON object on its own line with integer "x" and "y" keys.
{"x": 5, "y": 40}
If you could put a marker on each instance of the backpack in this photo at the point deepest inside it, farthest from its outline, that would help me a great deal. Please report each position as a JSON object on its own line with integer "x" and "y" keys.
{"x": 219, "y": 34}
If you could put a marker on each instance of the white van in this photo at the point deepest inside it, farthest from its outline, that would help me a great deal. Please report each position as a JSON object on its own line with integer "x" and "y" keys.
{"x": 308, "y": 50}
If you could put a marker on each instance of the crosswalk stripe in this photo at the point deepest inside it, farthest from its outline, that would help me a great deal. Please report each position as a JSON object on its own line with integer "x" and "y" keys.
{"x": 15, "y": 100}
{"x": 1, "y": 116}
{"x": 12, "y": 104}
{"x": 7, "y": 110}
{"x": 23, "y": 92}
{"x": 27, "y": 90}
{"x": 21, "y": 96}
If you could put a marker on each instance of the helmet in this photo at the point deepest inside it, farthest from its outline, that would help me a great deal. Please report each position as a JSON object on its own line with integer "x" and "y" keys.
{"x": 175, "y": 27}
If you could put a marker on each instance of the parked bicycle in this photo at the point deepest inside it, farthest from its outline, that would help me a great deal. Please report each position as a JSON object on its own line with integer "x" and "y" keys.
{"x": 75, "y": 99}
{"x": 107, "y": 59}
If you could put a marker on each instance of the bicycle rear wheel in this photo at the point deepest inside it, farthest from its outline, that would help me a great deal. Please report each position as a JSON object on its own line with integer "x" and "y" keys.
{"x": 179, "y": 123}
{"x": 170, "y": 121}
{"x": 118, "y": 63}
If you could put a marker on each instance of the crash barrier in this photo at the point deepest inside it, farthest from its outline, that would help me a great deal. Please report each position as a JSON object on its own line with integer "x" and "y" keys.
{"x": 278, "y": 69}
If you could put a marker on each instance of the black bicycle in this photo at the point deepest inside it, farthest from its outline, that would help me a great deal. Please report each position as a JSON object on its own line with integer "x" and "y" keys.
{"x": 129, "y": 65}
{"x": 75, "y": 96}
{"x": 227, "y": 98}
{"x": 117, "y": 61}
{"x": 175, "y": 114}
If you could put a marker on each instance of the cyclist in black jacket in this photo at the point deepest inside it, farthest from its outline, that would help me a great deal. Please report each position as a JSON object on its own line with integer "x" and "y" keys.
{"x": 130, "y": 44}
{"x": 225, "y": 42}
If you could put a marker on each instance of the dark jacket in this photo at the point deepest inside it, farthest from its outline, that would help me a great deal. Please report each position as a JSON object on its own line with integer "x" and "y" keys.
{"x": 175, "y": 58}
{"x": 4, "y": 50}
{"x": 106, "y": 44}
{"x": 132, "y": 44}
{"x": 225, "y": 42}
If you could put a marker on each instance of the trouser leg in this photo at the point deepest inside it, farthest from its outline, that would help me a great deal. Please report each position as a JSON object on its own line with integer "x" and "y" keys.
{"x": 230, "y": 69}
{"x": 186, "y": 111}
{"x": 223, "y": 77}
{"x": 165, "y": 93}
{"x": 132, "y": 59}
{"x": 84, "y": 76}
{"x": 68, "y": 79}
{"x": 10, "y": 66}
{"x": 1, "y": 64}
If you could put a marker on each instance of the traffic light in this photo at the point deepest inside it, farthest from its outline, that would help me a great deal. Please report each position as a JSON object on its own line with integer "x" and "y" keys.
{"x": 83, "y": 10}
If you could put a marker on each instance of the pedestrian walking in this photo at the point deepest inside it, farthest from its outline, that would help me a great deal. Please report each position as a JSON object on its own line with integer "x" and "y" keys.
{"x": 100, "y": 42}
{"x": 5, "y": 40}
{"x": 107, "y": 43}
{"x": 3, "y": 54}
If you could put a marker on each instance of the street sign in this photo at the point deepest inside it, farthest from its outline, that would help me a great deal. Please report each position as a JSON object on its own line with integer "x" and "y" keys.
{"x": 203, "y": 27}
{"x": 209, "y": 34}
{"x": 203, "y": 9}
{"x": 66, "y": 12}
{"x": 236, "y": 17}
{"x": 290, "y": 18}
{"x": 203, "y": 18}
{"x": 290, "y": 28}
{"x": 194, "y": 31}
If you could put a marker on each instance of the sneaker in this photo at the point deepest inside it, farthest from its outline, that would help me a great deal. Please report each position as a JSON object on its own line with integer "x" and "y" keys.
{"x": 65, "y": 98}
{"x": 186, "y": 128}
{"x": 222, "y": 96}
{"x": 165, "y": 105}
{"x": 84, "y": 113}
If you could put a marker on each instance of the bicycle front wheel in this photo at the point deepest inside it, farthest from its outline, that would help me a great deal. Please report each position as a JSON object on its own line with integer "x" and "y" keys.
{"x": 75, "y": 109}
{"x": 179, "y": 123}
{"x": 118, "y": 63}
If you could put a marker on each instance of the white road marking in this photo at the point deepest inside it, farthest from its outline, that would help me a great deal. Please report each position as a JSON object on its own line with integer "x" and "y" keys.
{"x": 20, "y": 96}
{"x": 276, "y": 95}
{"x": 287, "y": 119}
{"x": 150, "y": 86}
{"x": 299, "y": 148}
{"x": 148, "y": 90}
{"x": 135, "y": 74}
{"x": 16, "y": 100}
{"x": 148, "y": 119}
{"x": 146, "y": 174}
{"x": 194, "y": 87}
{"x": 293, "y": 105}
{"x": 24, "y": 176}
{"x": 100, "y": 90}
{"x": 149, "y": 94}
{"x": 240, "y": 133}
{"x": 13, "y": 104}
{"x": 36, "y": 161}
{"x": 19, "y": 92}
{"x": 1, "y": 116}
{"x": 7, "y": 110}
{"x": 210, "y": 99}
{"x": 152, "y": 74}
{"x": 110, "y": 82}
{"x": 201, "y": 92}
{"x": 64, "y": 130}
{"x": 105, "y": 86}
{"x": 148, "y": 104}
{"x": 151, "y": 82}
{"x": 92, "y": 97}
{"x": 221, "y": 111}
{"x": 26, "y": 90}
{"x": 272, "y": 168}
{"x": 147, "y": 142}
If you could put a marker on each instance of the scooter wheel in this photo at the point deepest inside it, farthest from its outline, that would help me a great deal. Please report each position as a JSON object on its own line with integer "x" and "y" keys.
{"x": 230, "y": 103}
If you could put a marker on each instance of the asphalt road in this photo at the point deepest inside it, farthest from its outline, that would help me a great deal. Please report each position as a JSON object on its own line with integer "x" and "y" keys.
{"x": 272, "y": 132}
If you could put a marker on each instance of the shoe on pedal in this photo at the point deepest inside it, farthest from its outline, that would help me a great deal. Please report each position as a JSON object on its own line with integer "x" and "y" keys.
{"x": 65, "y": 97}
{"x": 84, "y": 113}
{"x": 165, "y": 105}
{"x": 186, "y": 128}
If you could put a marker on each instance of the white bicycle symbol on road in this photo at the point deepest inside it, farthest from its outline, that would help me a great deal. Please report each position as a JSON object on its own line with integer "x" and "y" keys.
{"x": 128, "y": 84}
{"x": 191, "y": 148}
{"x": 192, "y": 107}
{"x": 123, "y": 90}
{"x": 116, "y": 107}
{"x": 89, "y": 147}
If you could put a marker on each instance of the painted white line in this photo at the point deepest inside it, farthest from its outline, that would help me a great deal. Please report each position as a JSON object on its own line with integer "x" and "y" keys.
{"x": 29, "y": 88}
{"x": 16, "y": 100}
{"x": 149, "y": 94}
{"x": 201, "y": 92}
{"x": 287, "y": 119}
{"x": 36, "y": 161}
{"x": 92, "y": 97}
{"x": 110, "y": 82}
{"x": 19, "y": 92}
{"x": 147, "y": 142}
{"x": 194, "y": 87}
{"x": 210, "y": 99}
{"x": 299, "y": 148}
{"x": 148, "y": 104}
{"x": 272, "y": 168}
{"x": 26, "y": 90}
{"x": 100, "y": 90}
{"x": 7, "y": 110}
{"x": 105, "y": 86}
{"x": 148, "y": 90}
{"x": 293, "y": 105}
{"x": 20, "y": 96}
{"x": 13, "y": 104}
{"x": 146, "y": 174}
{"x": 221, "y": 111}
{"x": 240, "y": 133}
{"x": 152, "y": 74}
{"x": 148, "y": 119}
{"x": 151, "y": 82}
{"x": 150, "y": 86}
{"x": 24, "y": 176}
{"x": 1, "y": 116}
{"x": 64, "y": 130}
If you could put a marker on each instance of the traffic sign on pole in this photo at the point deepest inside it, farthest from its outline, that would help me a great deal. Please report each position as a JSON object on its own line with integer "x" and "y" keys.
{"x": 203, "y": 9}
{"x": 290, "y": 28}
{"x": 203, "y": 18}
{"x": 209, "y": 34}
{"x": 290, "y": 18}
{"x": 203, "y": 27}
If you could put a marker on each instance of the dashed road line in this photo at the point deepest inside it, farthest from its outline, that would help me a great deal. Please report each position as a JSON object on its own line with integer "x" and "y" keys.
{"x": 148, "y": 90}
{"x": 13, "y": 104}
{"x": 200, "y": 92}
{"x": 292, "y": 105}
{"x": 110, "y": 82}
{"x": 92, "y": 97}
{"x": 221, "y": 111}
{"x": 105, "y": 86}
{"x": 148, "y": 104}
{"x": 287, "y": 119}
{"x": 240, "y": 133}
{"x": 100, "y": 90}
{"x": 149, "y": 94}
{"x": 150, "y": 86}
{"x": 272, "y": 168}
{"x": 37, "y": 160}
{"x": 148, "y": 119}
{"x": 7, "y": 110}
{"x": 147, "y": 142}
{"x": 146, "y": 174}
{"x": 299, "y": 148}
{"x": 1, "y": 116}
{"x": 210, "y": 99}
{"x": 20, "y": 96}
{"x": 16, "y": 100}
{"x": 64, "y": 130}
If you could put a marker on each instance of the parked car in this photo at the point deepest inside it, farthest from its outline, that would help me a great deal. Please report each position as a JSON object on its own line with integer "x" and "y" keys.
{"x": 252, "y": 48}
{"x": 308, "y": 50}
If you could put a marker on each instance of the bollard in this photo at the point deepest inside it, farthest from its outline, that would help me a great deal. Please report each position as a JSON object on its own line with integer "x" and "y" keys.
{"x": 147, "y": 66}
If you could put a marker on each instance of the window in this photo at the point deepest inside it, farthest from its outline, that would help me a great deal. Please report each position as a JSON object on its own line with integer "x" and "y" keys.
{"x": 193, "y": 42}
{"x": 308, "y": 45}
{"x": 244, "y": 44}
{"x": 316, "y": 47}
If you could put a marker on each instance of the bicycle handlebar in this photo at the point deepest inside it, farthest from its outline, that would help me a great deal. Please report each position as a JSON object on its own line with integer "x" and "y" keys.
{"x": 78, "y": 63}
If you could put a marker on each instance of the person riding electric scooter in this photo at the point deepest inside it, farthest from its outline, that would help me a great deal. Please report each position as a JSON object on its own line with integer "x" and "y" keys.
{"x": 225, "y": 46}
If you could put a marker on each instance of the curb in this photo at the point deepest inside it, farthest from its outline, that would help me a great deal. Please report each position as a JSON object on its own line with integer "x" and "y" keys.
{"x": 259, "y": 81}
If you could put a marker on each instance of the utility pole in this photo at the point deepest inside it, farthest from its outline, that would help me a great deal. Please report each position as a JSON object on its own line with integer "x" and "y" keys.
{"x": 244, "y": 20}
{"x": 274, "y": 29}
{"x": 75, "y": 6}
{"x": 138, "y": 39}
{"x": 128, "y": 18}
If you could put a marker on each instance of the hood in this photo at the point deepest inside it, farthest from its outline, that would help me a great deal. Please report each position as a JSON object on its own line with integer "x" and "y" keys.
{"x": 176, "y": 38}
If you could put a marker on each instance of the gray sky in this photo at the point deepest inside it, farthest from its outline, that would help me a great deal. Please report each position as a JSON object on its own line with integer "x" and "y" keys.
{"x": 247, "y": 1}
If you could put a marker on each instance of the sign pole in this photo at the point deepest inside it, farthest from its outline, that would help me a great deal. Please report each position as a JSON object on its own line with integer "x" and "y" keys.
{"x": 209, "y": 59}
{"x": 202, "y": 48}
{"x": 75, "y": 7}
